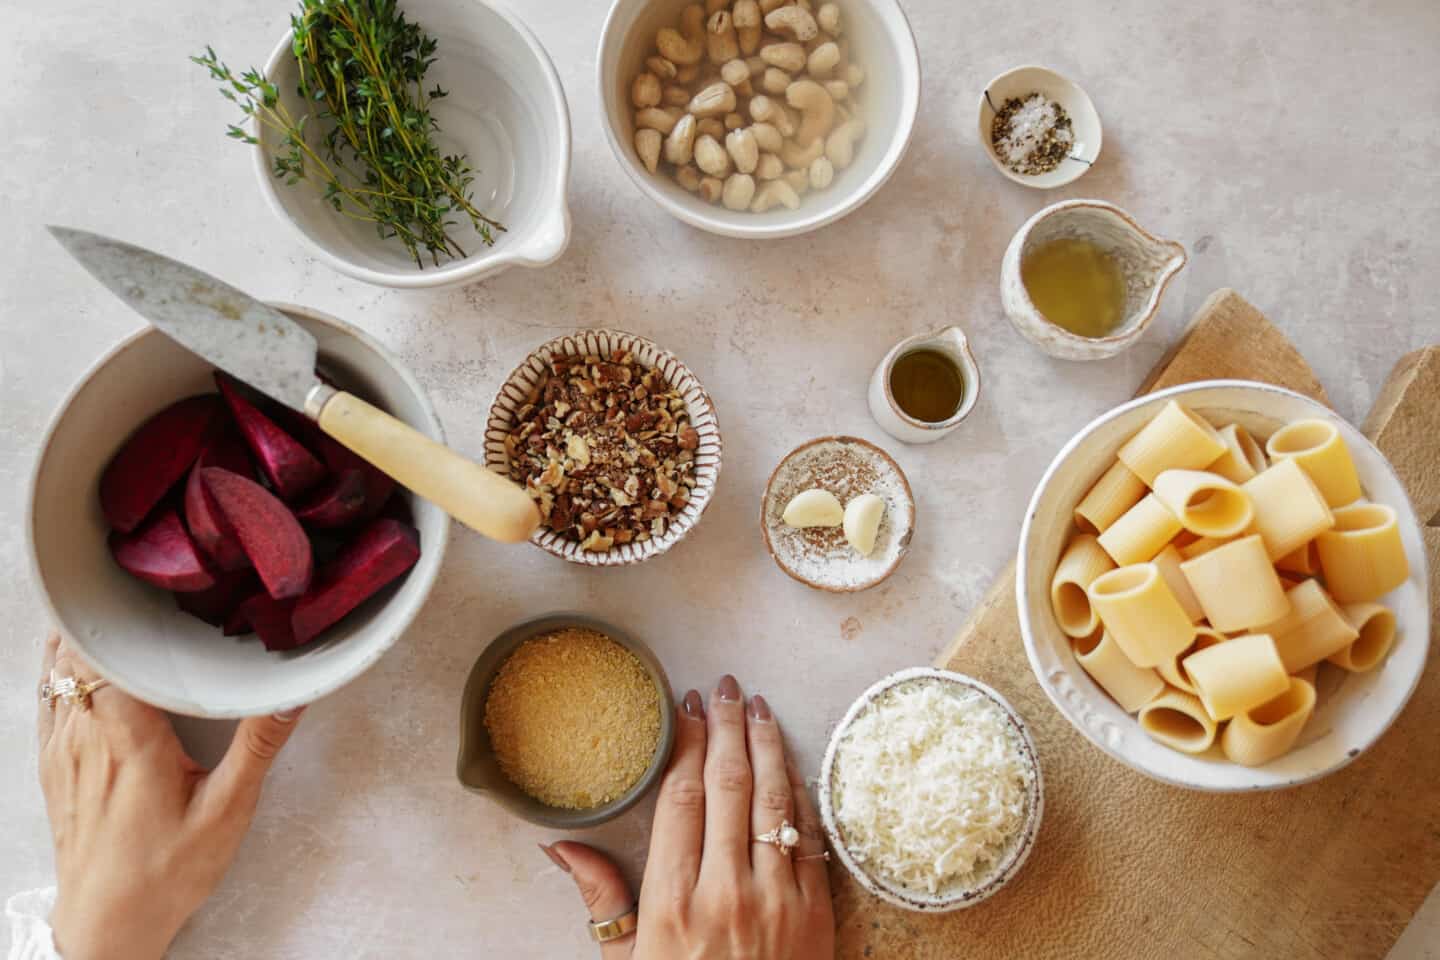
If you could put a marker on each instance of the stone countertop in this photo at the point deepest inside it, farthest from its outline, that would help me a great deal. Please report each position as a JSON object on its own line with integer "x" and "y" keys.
{"x": 1292, "y": 150}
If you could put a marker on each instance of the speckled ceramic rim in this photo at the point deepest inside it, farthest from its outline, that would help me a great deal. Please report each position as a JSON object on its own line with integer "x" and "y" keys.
{"x": 1004, "y": 872}
{"x": 697, "y": 403}
{"x": 474, "y": 739}
{"x": 1078, "y": 167}
{"x": 905, "y": 537}
{"x": 1131, "y": 333}
{"x": 1247, "y": 779}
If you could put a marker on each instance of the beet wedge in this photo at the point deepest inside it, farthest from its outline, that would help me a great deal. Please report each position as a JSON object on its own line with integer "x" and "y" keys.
{"x": 216, "y": 604}
{"x": 161, "y": 552}
{"x": 290, "y": 468}
{"x": 378, "y": 484}
{"x": 154, "y": 459}
{"x": 209, "y": 529}
{"x": 267, "y": 530}
{"x": 336, "y": 502}
{"x": 382, "y": 551}
{"x": 270, "y": 619}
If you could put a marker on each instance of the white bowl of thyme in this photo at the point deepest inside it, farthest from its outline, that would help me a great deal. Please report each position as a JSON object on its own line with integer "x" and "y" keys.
{"x": 440, "y": 153}
{"x": 1038, "y": 127}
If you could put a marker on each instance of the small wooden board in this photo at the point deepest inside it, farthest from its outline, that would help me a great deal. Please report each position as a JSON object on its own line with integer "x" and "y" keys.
{"x": 1128, "y": 867}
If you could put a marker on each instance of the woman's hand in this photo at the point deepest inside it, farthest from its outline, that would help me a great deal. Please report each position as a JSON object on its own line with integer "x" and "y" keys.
{"x": 143, "y": 834}
{"x": 710, "y": 890}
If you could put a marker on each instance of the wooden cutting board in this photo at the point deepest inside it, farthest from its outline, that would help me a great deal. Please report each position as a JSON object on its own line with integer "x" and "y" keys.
{"x": 1128, "y": 867}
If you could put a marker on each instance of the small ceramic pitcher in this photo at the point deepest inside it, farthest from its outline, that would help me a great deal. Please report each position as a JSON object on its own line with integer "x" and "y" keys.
{"x": 1147, "y": 262}
{"x": 952, "y": 343}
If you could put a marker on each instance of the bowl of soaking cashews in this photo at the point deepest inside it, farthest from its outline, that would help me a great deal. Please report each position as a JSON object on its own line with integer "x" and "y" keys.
{"x": 1223, "y": 586}
{"x": 758, "y": 118}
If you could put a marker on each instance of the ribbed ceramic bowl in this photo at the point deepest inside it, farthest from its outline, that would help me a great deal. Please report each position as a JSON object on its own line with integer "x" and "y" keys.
{"x": 1004, "y": 871}
{"x": 697, "y": 403}
{"x": 1347, "y": 720}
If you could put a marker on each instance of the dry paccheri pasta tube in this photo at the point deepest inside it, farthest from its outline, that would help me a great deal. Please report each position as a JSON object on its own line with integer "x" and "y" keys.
{"x": 1376, "y": 625}
{"x": 1316, "y": 445}
{"x": 1313, "y": 629}
{"x": 1178, "y": 720}
{"x": 1176, "y": 439}
{"x": 1141, "y": 532}
{"x": 1169, "y": 560}
{"x": 1204, "y": 503}
{"x": 1289, "y": 510}
{"x": 1141, "y": 613}
{"x": 1173, "y": 670}
{"x": 1309, "y": 674}
{"x": 1301, "y": 560}
{"x": 1363, "y": 557}
{"x": 1237, "y": 586}
{"x": 1128, "y": 685}
{"x": 1202, "y": 545}
{"x": 1242, "y": 458}
{"x": 1081, "y": 563}
{"x": 1260, "y": 734}
{"x": 1116, "y": 491}
{"x": 1236, "y": 675}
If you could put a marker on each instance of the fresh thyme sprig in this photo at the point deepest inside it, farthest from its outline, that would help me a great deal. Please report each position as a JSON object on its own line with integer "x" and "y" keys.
{"x": 362, "y": 65}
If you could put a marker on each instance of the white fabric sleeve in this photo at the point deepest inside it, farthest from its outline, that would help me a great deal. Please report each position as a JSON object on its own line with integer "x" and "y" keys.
{"x": 30, "y": 935}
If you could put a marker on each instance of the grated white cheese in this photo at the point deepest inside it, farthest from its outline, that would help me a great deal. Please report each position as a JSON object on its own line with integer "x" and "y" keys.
{"x": 931, "y": 786}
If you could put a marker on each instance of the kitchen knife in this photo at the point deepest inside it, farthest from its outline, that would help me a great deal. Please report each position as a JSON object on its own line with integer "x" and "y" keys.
{"x": 274, "y": 354}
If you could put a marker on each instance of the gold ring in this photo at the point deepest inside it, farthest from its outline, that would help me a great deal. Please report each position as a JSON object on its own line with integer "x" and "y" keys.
{"x": 824, "y": 855}
{"x": 603, "y": 931}
{"x": 72, "y": 690}
{"x": 783, "y": 838}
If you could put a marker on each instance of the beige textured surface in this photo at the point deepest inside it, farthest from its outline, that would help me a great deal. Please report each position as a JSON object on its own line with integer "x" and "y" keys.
{"x": 1291, "y": 872}
{"x": 1291, "y": 146}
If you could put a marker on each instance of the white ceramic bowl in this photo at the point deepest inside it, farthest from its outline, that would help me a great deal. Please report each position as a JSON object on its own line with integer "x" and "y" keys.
{"x": 506, "y": 111}
{"x": 1084, "y": 122}
{"x": 132, "y": 632}
{"x": 953, "y": 900}
{"x": 1347, "y": 720}
{"x": 882, "y": 44}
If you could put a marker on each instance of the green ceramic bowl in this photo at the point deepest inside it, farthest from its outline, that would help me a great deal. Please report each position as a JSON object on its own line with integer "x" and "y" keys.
{"x": 479, "y": 771}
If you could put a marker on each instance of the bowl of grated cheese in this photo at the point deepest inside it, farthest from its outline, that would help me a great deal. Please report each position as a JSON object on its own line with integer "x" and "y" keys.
{"x": 931, "y": 791}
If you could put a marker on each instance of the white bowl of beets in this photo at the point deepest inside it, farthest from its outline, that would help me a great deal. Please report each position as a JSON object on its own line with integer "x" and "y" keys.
{"x": 211, "y": 551}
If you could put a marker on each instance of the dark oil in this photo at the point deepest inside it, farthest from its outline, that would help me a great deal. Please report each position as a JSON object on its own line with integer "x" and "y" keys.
{"x": 927, "y": 385}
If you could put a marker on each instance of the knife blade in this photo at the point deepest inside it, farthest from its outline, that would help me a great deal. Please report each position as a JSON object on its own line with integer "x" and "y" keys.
{"x": 266, "y": 349}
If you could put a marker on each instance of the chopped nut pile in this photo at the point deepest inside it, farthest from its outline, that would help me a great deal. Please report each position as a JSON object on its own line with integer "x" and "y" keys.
{"x": 605, "y": 446}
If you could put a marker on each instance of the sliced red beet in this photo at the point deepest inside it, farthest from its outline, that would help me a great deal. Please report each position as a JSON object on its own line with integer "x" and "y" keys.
{"x": 154, "y": 458}
{"x": 216, "y": 604}
{"x": 270, "y": 618}
{"x": 227, "y": 451}
{"x": 290, "y": 468}
{"x": 161, "y": 552}
{"x": 265, "y": 527}
{"x": 398, "y": 508}
{"x": 382, "y": 551}
{"x": 336, "y": 502}
{"x": 378, "y": 484}
{"x": 238, "y": 622}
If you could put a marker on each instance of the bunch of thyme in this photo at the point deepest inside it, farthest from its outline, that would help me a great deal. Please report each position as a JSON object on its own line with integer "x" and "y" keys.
{"x": 362, "y": 67}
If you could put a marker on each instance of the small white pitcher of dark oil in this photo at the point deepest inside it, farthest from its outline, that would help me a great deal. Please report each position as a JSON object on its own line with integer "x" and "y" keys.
{"x": 925, "y": 386}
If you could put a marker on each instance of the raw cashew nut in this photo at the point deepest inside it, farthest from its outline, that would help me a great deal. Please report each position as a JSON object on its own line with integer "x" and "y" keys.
{"x": 715, "y": 100}
{"x": 799, "y": 180}
{"x": 711, "y": 189}
{"x": 767, "y": 138}
{"x": 767, "y": 5}
{"x": 789, "y": 57}
{"x": 647, "y": 145}
{"x": 720, "y": 40}
{"x": 712, "y": 6}
{"x": 661, "y": 67}
{"x": 828, "y": 18}
{"x": 675, "y": 96}
{"x": 770, "y": 167}
{"x": 854, "y": 75}
{"x": 838, "y": 89}
{"x": 823, "y": 59}
{"x": 687, "y": 73}
{"x": 773, "y": 193}
{"x": 684, "y": 47}
{"x": 774, "y": 82}
{"x": 798, "y": 157}
{"x": 792, "y": 21}
{"x": 739, "y": 191}
{"x": 746, "y": 17}
{"x": 840, "y": 145}
{"x": 711, "y": 157}
{"x": 822, "y": 173}
{"x": 710, "y": 127}
{"x": 688, "y": 177}
{"x": 653, "y": 118}
{"x": 762, "y": 108}
{"x": 680, "y": 144}
{"x": 817, "y": 110}
{"x": 733, "y": 121}
{"x": 735, "y": 72}
{"x": 743, "y": 149}
{"x": 645, "y": 91}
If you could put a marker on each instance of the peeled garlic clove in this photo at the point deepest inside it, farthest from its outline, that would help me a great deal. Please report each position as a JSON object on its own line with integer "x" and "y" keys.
{"x": 862, "y": 521}
{"x": 814, "y": 508}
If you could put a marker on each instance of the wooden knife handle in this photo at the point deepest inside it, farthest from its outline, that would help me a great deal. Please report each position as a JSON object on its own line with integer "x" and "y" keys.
{"x": 476, "y": 496}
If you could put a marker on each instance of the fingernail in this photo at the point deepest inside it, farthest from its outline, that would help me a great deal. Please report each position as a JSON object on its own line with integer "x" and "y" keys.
{"x": 728, "y": 690}
{"x": 694, "y": 705}
{"x": 759, "y": 709}
{"x": 555, "y": 858}
{"x": 289, "y": 716}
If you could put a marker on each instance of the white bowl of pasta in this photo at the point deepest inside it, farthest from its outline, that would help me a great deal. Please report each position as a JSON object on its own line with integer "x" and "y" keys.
{"x": 1223, "y": 586}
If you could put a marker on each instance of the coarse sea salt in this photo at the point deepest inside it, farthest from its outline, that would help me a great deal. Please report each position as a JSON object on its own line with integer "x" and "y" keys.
{"x": 1029, "y": 125}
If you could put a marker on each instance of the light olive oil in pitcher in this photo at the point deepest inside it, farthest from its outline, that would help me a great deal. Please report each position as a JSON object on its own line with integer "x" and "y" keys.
{"x": 1076, "y": 286}
{"x": 927, "y": 385}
